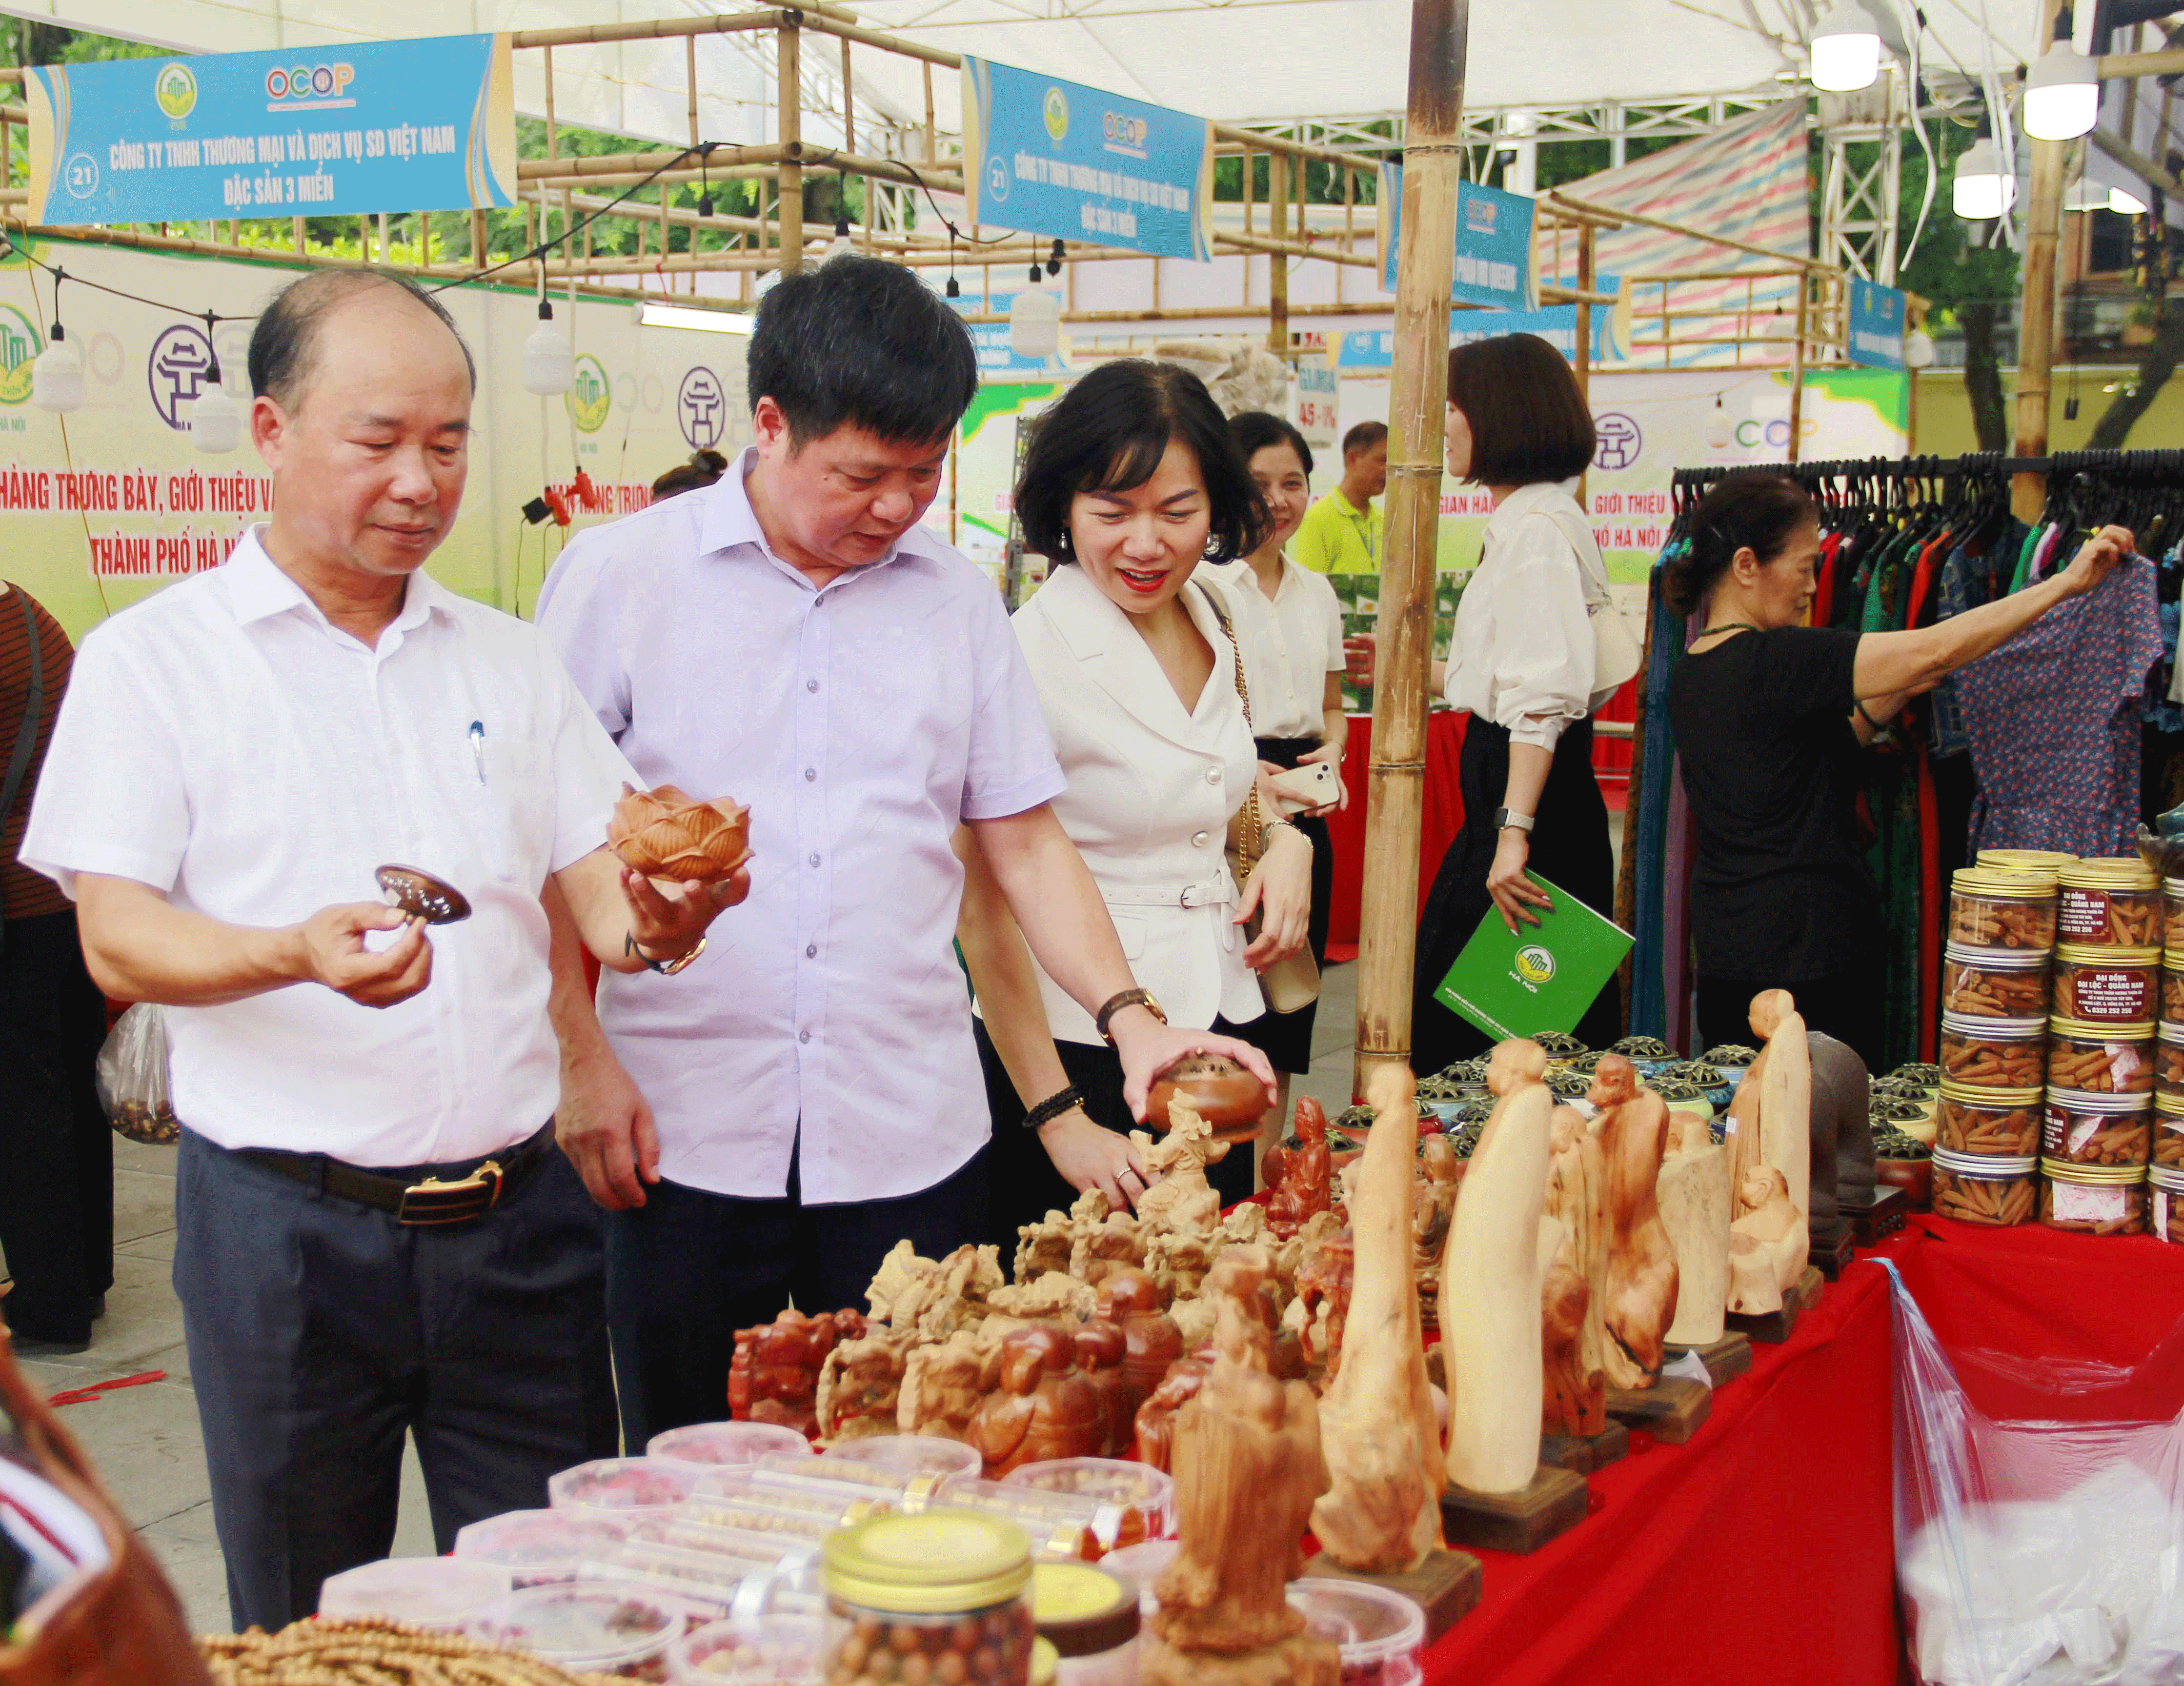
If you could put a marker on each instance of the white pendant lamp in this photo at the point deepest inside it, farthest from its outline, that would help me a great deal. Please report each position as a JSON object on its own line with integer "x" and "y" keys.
{"x": 1035, "y": 322}
{"x": 2061, "y": 92}
{"x": 1717, "y": 426}
{"x": 215, "y": 422}
{"x": 1980, "y": 192}
{"x": 1845, "y": 52}
{"x": 57, "y": 374}
{"x": 548, "y": 366}
{"x": 1918, "y": 349}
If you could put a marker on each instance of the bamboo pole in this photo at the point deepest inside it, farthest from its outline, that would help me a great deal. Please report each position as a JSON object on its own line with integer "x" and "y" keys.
{"x": 1583, "y": 349}
{"x": 931, "y": 137}
{"x": 553, "y": 143}
{"x": 1278, "y": 266}
{"x": 1797, "y": 371}
{"x": 850, "y": 140}
{"x": 2036, "y": 316}
{"x": 1396, "y": 782}
{"x": 789, "y": 88}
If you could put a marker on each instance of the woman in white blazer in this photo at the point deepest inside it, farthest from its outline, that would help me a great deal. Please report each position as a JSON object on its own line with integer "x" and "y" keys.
{"x": 1129, "y": 485}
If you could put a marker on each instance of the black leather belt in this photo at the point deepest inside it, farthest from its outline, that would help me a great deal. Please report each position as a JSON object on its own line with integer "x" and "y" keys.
{"x": 451, "y": 1194}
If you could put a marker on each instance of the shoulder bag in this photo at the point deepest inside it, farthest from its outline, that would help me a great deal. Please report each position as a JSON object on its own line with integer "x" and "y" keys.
{"x": 1617, "y": 653}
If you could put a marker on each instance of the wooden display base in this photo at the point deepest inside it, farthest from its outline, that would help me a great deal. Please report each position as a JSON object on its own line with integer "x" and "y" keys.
{"x": 1553, "y": 1503}
{"x": 1876, "y": 1216}
{"x": 1583, "y": 1454}
{"x": 1832, "y": 1244}
{"x": 1299, "y": 1660}
{"x": 1773, "y": 1327}
{"x": 1671, "y": 1410}
{"x": 1445, "y": 1586}
{"x": 1726, "y": 1360}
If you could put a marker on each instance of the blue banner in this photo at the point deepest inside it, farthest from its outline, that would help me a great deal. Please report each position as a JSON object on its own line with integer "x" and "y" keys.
{"x": 1556, "y": 323}
{"x": 1493, "y": 243}
{"x": 1049, "y": 157}
{"x": 394, "y": 125}
{"x": 1876, "y": 326}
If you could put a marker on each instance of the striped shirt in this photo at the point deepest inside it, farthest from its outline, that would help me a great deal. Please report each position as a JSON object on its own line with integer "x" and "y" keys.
{"x": 25, "y": 894}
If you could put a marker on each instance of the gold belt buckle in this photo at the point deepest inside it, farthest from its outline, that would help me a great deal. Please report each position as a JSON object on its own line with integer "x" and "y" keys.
{"x": 433, "y": 1201}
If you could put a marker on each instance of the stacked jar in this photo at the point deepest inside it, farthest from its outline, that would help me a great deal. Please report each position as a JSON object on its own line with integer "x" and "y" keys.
{"x": 1995, "y": 1008}
{"x": 2098, "y": 1139}
{"x": 2169, "y": 1048}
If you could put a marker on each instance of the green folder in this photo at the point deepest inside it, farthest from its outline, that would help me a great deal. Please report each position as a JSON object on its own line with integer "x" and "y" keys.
{"x": 1542, "y": 979}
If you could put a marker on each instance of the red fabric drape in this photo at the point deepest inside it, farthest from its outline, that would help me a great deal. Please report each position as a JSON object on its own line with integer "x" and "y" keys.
{"x": 1443, "y": 819}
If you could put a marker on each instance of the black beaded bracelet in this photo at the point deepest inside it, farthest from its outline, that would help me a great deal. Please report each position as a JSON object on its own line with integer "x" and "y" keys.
{"x": 1053, "y": 1107}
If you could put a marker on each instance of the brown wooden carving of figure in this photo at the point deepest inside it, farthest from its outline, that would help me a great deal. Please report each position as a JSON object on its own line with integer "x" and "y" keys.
{"x": 1037, "y": 1404}
{"x": 1640, "y": 1298}
{"x": 943, "y": 1387}
{"x": 1322, "y": 1302}
{"x": 861, "y": 1387}
{"x": 1572, "y": 1297}
{"x": 1100, "y": 1349}
{"x": 1432, "y": 1203}
{"x": 774, "y": 1374}
{"x": 1131, "y": 1300}
{"x": 1155, "y": 1419}
{"x": 1300, "y": 1180}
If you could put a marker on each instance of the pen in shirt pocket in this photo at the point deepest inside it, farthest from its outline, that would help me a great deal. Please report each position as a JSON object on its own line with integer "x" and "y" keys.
{"x": 477, "y": 746}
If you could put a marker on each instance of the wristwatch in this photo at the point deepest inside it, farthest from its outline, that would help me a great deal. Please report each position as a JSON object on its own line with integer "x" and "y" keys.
{"x": 682, "y": 962}
{"x": 1506, "y": 818}
{"x": 1115, "y": 1003}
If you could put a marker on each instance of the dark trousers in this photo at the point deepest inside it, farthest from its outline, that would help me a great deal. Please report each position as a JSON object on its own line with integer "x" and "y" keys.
{"x": 319, "y": 1330}
{"x": 1846, "y": 1006}
{"x": 1285, "y": 1038}
{"x": 687, "y": 1269}
{"x": 56, "y": 1151}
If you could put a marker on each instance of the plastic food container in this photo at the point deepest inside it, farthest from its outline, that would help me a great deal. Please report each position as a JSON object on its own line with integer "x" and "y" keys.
{"x": 2107, "y": 986}
{"x": 1995, "y": 983}
{"x": 948, "y": 1587}
{"x": 2172, "y": 913}
{"x": 2168, "y": 1131}
{"x": 628, "y": 1488}
{"x": 1990, "y": 908}
{"x": 726, "y": 1515}
{"x": 1997, "y": 1193}
{"x": 587, "y": 1627}
{"x": 1994, "y": 1053}
{"x": 893, "y": 1458}
{"x": 439, "y": 1593}
{"x": 759, "y": 1650}
{"x": 2097, "y": 1130}
{"x": 1146, "y": 1495}
{"x": 2165, "y": 1195}
{"x": 1091, "y": 1619}
{"x": 727, "y": 1445}
{"x": 1144, "y": 1565}
{"x": 1386, "y": 1632}
{"x": 539, "y": 1547}
{"x": 708, "y": 1578}
{"x": 835, "y": 1503}
{"x": 2169, "y": 1060}
{"x": 756, "y": 1548}
{"x": 2172, "y": 986}
{"x": 1062, "y": 1527}
{"x": 2112, "y": 902}
{"x": 2093, "y": 1200}
{"x": 2100, "y": 1059}
{"x": 1988, "y": 1123}
{"x": 2027, "y": 863}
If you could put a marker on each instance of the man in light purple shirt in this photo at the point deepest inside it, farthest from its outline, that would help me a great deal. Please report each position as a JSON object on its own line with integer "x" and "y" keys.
{"x": 764, "y": 1127}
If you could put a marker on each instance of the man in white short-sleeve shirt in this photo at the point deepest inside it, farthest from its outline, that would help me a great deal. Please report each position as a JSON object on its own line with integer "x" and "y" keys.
{"x": 375, "y": 1234}
{"x": 810, "y": 1094}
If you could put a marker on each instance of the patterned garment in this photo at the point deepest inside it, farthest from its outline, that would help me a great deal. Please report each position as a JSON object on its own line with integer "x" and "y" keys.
{"x": 2053, "y": 721}
{"x": 1966, "y": 581}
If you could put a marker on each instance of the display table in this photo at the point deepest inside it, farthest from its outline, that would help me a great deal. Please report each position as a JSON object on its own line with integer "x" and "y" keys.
{"x": 1765, "y": 1545}
{"x": 1442, "y": 819}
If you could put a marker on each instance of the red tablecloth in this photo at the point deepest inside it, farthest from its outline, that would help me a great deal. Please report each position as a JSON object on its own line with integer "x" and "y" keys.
{"x": 1443, "y": 819}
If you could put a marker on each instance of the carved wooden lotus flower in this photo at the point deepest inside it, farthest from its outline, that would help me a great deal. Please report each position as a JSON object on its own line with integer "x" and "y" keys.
{"x": 665, "y": 834}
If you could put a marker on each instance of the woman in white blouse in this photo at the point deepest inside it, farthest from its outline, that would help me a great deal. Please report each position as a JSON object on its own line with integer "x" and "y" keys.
{"x": 1131, "y": 481}
{"x": 1290, "y": 625}
{"x": 1521, "y": 664}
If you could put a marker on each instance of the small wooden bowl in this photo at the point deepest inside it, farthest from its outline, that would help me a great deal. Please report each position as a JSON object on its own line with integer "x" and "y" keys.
{"x": 1915, "y": 1176}
{"x": 1226, "y": 1096}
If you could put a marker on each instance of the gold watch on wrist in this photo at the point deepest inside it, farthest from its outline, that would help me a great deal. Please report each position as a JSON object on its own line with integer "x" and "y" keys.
{"x": 1115, "y": 1003}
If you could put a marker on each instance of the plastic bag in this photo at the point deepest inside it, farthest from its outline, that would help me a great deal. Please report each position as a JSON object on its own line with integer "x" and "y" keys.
{"x": 132, "y": 1078}
{"x": 2032, "y": 1553}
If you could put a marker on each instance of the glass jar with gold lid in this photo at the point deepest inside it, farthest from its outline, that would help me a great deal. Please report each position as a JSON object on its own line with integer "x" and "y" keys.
{"x": 944, "y": 1595}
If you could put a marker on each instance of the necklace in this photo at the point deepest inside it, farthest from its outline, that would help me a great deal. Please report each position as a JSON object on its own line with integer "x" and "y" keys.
{"x": 1727, "y": 626}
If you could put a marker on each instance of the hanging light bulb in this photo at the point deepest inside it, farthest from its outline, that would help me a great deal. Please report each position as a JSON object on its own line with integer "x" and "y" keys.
{"x": 215, "y": 422}
{"x": 1034, "y": 322}
{"x": 2062, "y": 90}
{"x": 2127, "y": 204}
{"x": 548, "y": 366}
{"x": 1053, "y": 260}
{"x": 1981, "y": 192}
{"x": 57, "y": 374}
{"x": 840, "y": 243}
{"x": 1918, "y": 349}
{"x": 1846, "y": 49}
{"x": 1717, "y": 426}
{"x": 954, "y": 287}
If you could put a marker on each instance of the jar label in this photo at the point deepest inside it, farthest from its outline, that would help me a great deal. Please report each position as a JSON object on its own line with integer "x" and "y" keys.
{"x": 2090, "y": 1202}
{"x": 2161, "y": 1213}
{"x": 2120, "y": 995}
{"x": 2082, "y": 913}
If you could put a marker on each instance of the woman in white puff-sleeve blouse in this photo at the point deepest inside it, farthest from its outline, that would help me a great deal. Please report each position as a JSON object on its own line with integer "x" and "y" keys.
{"x": 1130, "y": 484}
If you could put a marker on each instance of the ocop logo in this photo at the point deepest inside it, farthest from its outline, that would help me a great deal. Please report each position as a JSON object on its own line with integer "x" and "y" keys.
{"x": 19, "y": 346}
{"x": 176, "y": 89}
{"x": 589, "y": 396}
{"x": 1535, "y": 963}
{"x": 1126, "y": 131}
{"x": 1055, "y": 108}
{"x": 308, "y": 81}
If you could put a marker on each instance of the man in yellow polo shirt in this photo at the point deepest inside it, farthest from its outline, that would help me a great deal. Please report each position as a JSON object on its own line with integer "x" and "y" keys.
{"x": 1340, "y": 534}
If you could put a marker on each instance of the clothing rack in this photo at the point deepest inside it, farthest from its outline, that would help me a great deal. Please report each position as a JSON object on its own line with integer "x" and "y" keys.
{"x": 2146, "y": 466}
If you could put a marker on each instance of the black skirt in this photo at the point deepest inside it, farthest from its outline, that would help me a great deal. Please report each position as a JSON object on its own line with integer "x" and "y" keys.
{"x": 1285, "y": 1038}
{"x": 1570, "y": 849}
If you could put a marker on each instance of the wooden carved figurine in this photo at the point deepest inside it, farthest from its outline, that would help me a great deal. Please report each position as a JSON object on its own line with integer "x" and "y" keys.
{"x": 1377, "y": 1425}
{"x": 1103, "y": 1239}
{"x": 860, "y": 1388}
{"x": 943, "y": 1387}
{"x": 1641, "y": 1296}
{"x": 774, "y": 1374}
{"x": 1573, "y": 1298}
{"x": 1299, "y": 1180}
{"x": 1037, "y": 1404}
{"x": 1047, "y": 1245}
{"x": 1497, "y": 1256}
{"x": 1155, "y": 1419}
{"x": 1100, "y": 1349}
{"x": 1248, "y": 1468}
{"x": 1770, "y": 1116}
{"x": 665, "y": 834}
{"x": 1432, "y": 1203}
{"x": 1182, "y": 1200}
{"x": 1693, "y": 1191}
{"x": 1136, "y": 1305}
{"x": 1767, "y": 1243}
{"x": 1321, "y": 1307}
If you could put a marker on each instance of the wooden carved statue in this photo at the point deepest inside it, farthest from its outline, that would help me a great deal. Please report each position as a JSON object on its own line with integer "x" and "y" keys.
{"x": 934, "y": 1298}
{"x": 1694, "y": 1196}
{"x": 1767, "y": 1243}
{"x": 1376, "y": 1426}
{"x": 1498, "y": 1257}
{"x": 943, "y": 1387}
{"x": 1770, "y": 1116}
{"x": 1155, "y": 1425}
{"x": 1841, "y": 1160}
{"x": 1047, "y": 1245}
{"x": 1432, "y": 1203}
{"x": 1134, "y": 1303}
{"x": 1103, "y": 1239}
{"x": 1183, "y": 1199}
{"x": 1037, "y": 1404}
{"x": 1100, "y": 1349}
{"x": 1321, "y": 1306}
{"x": 1299, "y": 1180}
{"x": 774, "y": 1374}
{"x": 1248, "y": 1468}
{"x": 861, "y": 1387}
{"x": 1573, "y": 1297}
{"x": 1641, "y": 1296}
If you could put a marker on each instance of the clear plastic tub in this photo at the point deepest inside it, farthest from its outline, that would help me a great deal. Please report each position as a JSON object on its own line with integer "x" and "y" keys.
{"x": 1988, "y": 1123}
{"x": 2086, "y": 1200}
{"x": 1386, "y": 1631}
{"x": 2109, "y": 1130}
{"x": 2168, "y": 1131}
{"x": 439, "y": 1593}
{"x": 2100, "y": 1059}
{"x": 2165, "y": 1198}
{"x": 1989, "y": 909}
{"x": 756, "y": 1548}
{"x": 1993, "y": 1054}
{"x": 2107, "y": 986}
{"x": 836, "y": 1502}
{"x": 1995, "y": 983}
{"x": 2172, "y": 986}
{"x": 2111, "y": 902}
{"x": 2172, "y": 913}
{"x": 538, "y": 1548}
{"x": 760, "y": 1650}
{"x": 886, "y": 1458}
{"x": 628, "y": 1488}
{"x": 1062, "y": 1526}
{"x": 1993, "y": 1192}
{"x": 739, "y": 1516}
{"x": 727, "y": 1445}
{"x": 1147, "y": 1495}
{"x": 705, "y": 1577}
{"x": 2169, "y": 1061}
{"x": 587, "y": 1627}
